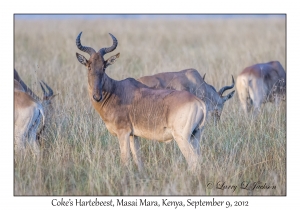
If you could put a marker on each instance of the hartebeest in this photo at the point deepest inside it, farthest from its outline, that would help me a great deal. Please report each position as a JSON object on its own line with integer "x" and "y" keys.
{"x": 130, "y": 109}
{"x": 28, "y": 111}
{"x": 191, "y": 81}
{"x": 261, "y": 83}
{"x": 28, "y": 114}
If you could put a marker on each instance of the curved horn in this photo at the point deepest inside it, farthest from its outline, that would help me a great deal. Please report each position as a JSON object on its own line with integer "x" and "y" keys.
{"x": 88, "y": 50}
{"x": 225, "y": 98}
{"x": 204, "y": 76}
{"x": 44, "y": 92}
{"x": 50, "y": 91}
{"x": 223, "y": 89}
{"x": 104, "y": 50}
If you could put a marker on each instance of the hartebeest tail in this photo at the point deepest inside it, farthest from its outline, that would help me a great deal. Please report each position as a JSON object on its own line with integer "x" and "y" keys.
{"x": 130, "y": 109}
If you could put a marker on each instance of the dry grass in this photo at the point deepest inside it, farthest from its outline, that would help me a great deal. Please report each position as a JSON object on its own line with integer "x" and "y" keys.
{"x": 80, "y": 157}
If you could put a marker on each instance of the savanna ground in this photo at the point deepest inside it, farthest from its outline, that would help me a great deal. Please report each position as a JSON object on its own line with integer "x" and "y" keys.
{"x": 80, "y": 157}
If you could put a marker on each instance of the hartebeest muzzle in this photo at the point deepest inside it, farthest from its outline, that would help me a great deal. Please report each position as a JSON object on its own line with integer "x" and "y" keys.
{"x": 97, "y": 97}
{"x": 97, "y": 92}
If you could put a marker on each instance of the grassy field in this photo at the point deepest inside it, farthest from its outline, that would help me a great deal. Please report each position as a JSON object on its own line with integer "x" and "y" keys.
{"x": 80, "y": 157}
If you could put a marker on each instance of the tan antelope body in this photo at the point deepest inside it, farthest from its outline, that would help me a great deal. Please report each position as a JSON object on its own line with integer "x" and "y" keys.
{"x": 18, "y": 86}
{"x": 190, "y": 80}
{"x": 130, "y": 109}
{"x": 28, "y": 113}
{"x": 261, "y": 83}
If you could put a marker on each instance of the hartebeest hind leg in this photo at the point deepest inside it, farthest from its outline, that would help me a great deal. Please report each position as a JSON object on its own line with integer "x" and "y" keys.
{"x": 32, "y": 136}
{"x": 186, "y": 148}
{"x": 19, "y": 141}
{"x": 196, "y": 139}
{"x": 257, "y": 101}
{"x": 25, "y": 132}
{"x": 246, "y": 102}
{"x": 136, "y": 152}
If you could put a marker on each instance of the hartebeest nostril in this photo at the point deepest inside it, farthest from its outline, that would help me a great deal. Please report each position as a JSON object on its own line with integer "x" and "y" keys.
{"x": 97, "y": 98}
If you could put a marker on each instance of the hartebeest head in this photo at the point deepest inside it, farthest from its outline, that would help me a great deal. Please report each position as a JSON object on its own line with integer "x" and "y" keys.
{"x": 219, "y": 103}
{"x": 96, "y": 65}
{"x": 47, "y": 98}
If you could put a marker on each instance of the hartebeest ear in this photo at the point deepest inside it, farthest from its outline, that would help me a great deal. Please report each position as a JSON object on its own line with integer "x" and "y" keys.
{"x": 112, "y": 59}
{"x": 229, "y": 96}
{"x": 81, "y": 59}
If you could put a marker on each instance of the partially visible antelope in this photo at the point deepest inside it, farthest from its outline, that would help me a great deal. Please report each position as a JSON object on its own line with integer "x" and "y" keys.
{"x": 261, "y": 83}
{"x": 28, "y": 113}
{"x": 190, "y": 80}
{"x": 130, "y": 109}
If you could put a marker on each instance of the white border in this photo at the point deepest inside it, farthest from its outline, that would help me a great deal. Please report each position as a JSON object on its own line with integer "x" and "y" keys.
{"x": 8, "y": 201}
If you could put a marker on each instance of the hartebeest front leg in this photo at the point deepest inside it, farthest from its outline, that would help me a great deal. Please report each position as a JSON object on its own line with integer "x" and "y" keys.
{"x": 136, "y": 152}
{"x": 123, "y": 137}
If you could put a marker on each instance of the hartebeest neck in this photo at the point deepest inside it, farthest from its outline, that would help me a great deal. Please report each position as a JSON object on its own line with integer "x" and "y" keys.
{"x": 108, "y": 84}
{"x": 212, "y": 98}
{"x": 108, "y": 88}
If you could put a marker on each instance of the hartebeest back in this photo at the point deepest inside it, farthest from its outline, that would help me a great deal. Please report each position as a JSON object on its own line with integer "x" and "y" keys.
{"x": 261, "y": 83}
{"x": 190, "y": 80}
{"x": 130, "y": 109}
{"x": 27, "y": 89}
